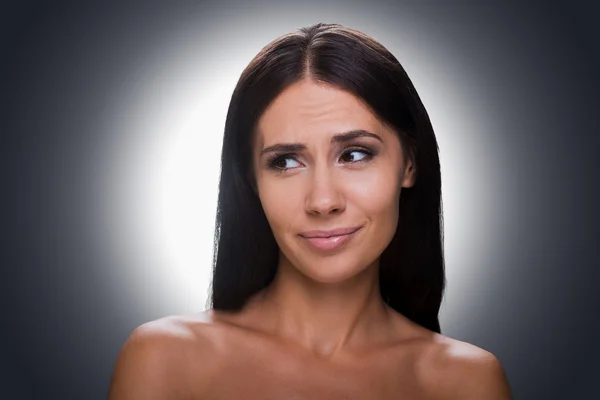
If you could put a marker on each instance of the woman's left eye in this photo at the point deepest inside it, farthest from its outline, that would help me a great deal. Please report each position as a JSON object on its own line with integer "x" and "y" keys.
{"x": 365, "y": 153}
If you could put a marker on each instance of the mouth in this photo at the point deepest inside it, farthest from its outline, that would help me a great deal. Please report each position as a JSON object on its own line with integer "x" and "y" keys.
{"x": 330, "y": 233}
{"x": 330, "y": 240}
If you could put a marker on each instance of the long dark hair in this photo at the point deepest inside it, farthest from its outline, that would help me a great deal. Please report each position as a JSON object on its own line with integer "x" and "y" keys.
{"x": 245, "y": 254}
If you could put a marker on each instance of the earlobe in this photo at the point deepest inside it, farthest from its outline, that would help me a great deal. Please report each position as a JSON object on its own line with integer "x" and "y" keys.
{"x": 409, "y": 176}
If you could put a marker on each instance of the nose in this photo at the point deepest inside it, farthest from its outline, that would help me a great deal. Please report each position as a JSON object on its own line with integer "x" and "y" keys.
{"x": 324, "y": 197}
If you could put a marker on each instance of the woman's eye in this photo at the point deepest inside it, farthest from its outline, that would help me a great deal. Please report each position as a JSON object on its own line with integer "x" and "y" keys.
{"x": 286, "y": 162}
{"x": 355, "y": 158}
{"x": 282, "y": 163}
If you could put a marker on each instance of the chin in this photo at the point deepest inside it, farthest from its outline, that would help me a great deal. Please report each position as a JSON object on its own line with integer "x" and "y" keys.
{"x": 329, "y": 271}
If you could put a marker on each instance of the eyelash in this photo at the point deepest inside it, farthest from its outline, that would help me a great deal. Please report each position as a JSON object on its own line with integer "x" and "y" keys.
{"x": 273, "y": 160}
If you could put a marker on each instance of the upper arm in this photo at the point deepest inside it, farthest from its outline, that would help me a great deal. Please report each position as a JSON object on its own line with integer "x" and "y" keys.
{"x": 468, "y": 372}
{"x": 152, "y": 364}
{"x": 484, "y": 378}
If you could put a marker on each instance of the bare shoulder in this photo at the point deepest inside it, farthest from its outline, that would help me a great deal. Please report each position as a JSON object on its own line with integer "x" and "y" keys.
{"x": 453, "y": 369}
{"x": 169, "y": 357}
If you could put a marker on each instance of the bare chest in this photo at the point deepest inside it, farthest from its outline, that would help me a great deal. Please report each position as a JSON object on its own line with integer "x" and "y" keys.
{"x": 265, "y": 374}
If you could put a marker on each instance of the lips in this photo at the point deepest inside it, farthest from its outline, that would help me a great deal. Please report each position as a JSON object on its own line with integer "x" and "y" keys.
{"x": 330, "y": 240}
{"x": 330, "y": 233}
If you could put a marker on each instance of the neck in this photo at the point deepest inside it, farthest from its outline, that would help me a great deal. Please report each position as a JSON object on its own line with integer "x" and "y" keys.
{"x": 325, "y": 317}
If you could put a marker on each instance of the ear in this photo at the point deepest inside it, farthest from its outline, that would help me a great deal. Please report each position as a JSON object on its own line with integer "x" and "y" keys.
{"x": 410, "y": 175}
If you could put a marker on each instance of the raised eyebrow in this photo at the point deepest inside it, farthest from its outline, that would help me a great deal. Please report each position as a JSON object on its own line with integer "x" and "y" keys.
{"x": 338, "y": 138}
{"x": 353, "y": 134}
{"x": 283, "y": 147}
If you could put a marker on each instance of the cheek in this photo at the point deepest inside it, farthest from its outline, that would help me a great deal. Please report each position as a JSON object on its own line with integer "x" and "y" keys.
{"x": 378, "y": 200}
{"x": 376, "y": 194}
{"x": 280, "y": 204}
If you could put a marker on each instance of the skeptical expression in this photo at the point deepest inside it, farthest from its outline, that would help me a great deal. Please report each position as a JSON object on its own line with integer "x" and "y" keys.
{"x": 329, "y": 175}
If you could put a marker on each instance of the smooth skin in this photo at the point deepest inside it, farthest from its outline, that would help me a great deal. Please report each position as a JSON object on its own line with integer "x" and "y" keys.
{"x": 321, "y": 330}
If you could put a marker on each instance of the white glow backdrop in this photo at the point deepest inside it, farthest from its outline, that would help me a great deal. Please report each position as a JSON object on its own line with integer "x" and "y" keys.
{"x": 160, "y": 182}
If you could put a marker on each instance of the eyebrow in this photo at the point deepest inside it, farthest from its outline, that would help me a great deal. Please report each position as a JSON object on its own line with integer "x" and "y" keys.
{"x": 338, "y": 138}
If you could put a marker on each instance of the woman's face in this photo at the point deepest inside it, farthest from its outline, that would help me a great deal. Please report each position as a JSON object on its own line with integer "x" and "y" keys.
{"x": 324, "y": 180}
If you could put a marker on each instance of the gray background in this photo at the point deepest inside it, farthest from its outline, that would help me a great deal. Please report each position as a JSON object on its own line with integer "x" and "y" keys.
{"x": 64, "y": 67}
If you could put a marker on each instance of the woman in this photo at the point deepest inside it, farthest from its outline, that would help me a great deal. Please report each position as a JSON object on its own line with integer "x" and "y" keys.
{"x": 329, "y": 269}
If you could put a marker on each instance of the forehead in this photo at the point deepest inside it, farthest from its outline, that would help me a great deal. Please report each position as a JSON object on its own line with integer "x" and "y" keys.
{"x": 308, "y": 110}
